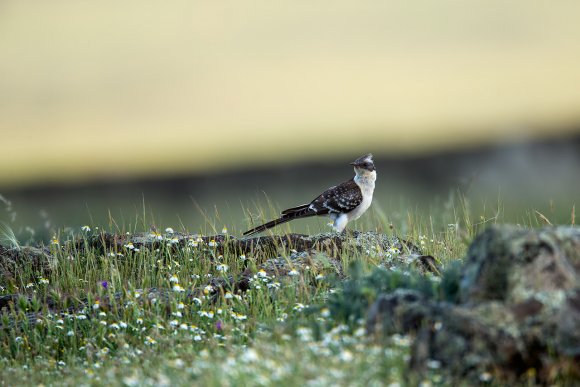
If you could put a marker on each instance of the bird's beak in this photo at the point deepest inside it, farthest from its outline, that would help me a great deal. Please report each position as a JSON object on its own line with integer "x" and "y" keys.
{"x": 353, "y": 163}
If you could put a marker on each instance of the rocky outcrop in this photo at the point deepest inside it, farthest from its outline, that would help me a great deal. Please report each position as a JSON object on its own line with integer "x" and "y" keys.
{"x": 26, "y": 258}
{"x": 298, "y": 250}
{"x": 276, "y": 255}
{"x": 518, "y": 311}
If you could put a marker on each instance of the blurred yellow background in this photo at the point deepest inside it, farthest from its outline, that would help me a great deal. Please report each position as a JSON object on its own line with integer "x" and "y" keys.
{"x": 106, "y": 89}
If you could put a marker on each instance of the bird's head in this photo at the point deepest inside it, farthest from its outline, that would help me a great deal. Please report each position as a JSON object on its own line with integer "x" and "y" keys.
{"x": 364, "y": 164}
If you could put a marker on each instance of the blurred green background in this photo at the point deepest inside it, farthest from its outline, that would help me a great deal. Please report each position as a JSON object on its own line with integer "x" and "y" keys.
{"x": 106, "y": 105}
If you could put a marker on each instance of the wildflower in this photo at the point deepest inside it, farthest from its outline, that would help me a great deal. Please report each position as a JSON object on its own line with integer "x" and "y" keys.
{"x": 54, "y": 241}
{"x": 293, "y": 272}
{"x": 273, "y": 285}
{"x": 192, "y": 243}
{"x": 169, "y": 230}
{"x": 218, "y": 325}
{"x": 18, "y": 339}
{"x": 174, "y": 241}
{"x": 181, "y": 305}
{"x": 60, "y": 321}
{"x": 243, "y": 257}
{"x": 393, "y": 252}
{"x": 102, "y": 314}
{"x": 250, "y": 356}
{"x": 115, "y": 326}
{"x": 223, "y": 268}
{"x": 150, "y": 341}
{"x": 178, "y": 288}
{"x": 262, "y": 273}
{"x": 139, "y": 321}
{"x": 81, "y": 317}
{"x": 346, "y": 356}
{"x": 105, "y": 284}
{"x": 485, "y": 377}
{"x": 228, "y": 296}
{"x": 44, "y": 281}
{"x": 325, "y": 312}
{"x": 137, "y": 294}
{"x": 103, "y": 322}
{"x": 305, "y": 334}
{"x": 224, "y": 230}
{"x": 197, "y": 338}
{"x": 70, "y": 333}
{"x": 173, "y": 323}
{"x": 299, "y": 307}
{"x": 96, "y": 305}
{"x": 207, "y": 290}
{"x": 85, "y": 228}
{"x": 156, "y": 235}
{"x": 239, "y": 317}
{"x": 61, "y": 363}
{"x": 29, "y": 285}
{"x": 402, "y": 341}
{"x": 177, "y": 314}
{"x": 434, "y": 364}
{"x": 129, "y": 246}
{"x": 183, "y": 326}
{"x": 319, "y": 277}
{"x": 122, "y": 324}
{"x": 207, "y": 314}
{"x": 174, "y": 278}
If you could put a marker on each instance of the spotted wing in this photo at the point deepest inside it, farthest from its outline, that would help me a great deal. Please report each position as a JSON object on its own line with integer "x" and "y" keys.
{"x": 342, "y": 198}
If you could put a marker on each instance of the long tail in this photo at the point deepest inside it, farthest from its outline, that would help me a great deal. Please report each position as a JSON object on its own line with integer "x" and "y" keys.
{"x": 287, "y": 215}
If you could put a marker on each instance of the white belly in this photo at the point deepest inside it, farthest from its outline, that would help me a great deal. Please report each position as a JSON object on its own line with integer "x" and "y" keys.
{"x": 367, "y": 186}
{"x": 366, "y": 203}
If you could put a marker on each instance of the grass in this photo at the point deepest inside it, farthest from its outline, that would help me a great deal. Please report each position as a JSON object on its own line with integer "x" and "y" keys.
{"x": 284, "y": 330}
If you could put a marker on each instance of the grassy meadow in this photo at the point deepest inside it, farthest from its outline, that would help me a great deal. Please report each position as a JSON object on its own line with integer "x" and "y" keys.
{"x": 209, "y": 118}
{"x": 285, "y": 330}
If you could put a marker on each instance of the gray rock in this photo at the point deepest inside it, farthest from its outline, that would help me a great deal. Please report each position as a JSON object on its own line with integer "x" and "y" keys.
{"x": 519, "y": 310}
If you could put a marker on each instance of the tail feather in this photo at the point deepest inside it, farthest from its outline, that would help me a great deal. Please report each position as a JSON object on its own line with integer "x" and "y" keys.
{"x": 268, "y": 225}
{"x": 299, "y": 212}
{"x": 295, "y": 209}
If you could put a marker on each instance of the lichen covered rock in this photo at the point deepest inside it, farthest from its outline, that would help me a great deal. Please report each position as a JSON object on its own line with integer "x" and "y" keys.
{"x": 518, "y": 310}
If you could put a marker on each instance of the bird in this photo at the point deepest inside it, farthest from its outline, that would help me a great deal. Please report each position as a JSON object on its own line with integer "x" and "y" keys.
{"x": 342, "y": 203}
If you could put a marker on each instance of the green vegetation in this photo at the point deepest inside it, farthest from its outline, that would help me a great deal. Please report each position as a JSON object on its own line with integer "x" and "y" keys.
{"x": 152, "y": 317}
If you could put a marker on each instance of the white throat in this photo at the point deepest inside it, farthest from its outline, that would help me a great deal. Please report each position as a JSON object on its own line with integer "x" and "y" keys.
{"x": 365, "y": 180}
